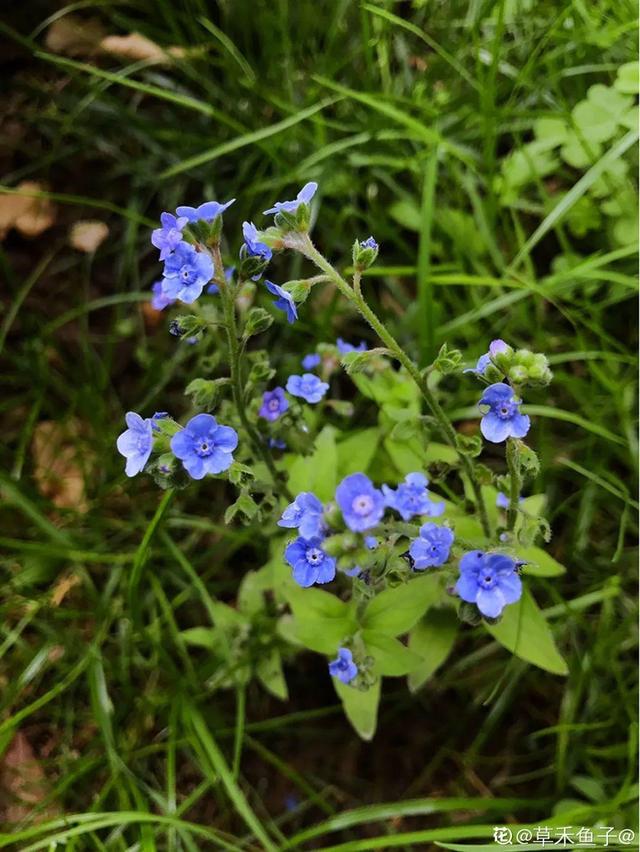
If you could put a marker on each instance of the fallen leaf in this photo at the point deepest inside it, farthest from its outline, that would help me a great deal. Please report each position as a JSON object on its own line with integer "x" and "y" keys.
{"x": 74, "y": 36}
{"x": 27, "y": 213}
{"x": 137, "y": 46}
{"x": 87, "y": 235}
{"x": 62, "y": 588}
{"x": 22, "y": 780}
{"x": 61, "y": 462}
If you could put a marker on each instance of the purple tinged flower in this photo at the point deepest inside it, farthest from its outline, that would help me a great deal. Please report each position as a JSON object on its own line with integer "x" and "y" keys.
{"x": 488, "y": 580}
{"x": 495, "y": 348}
{"x": 369, "y": 243}
{"x": 371, "y": 542}
{"x": 169, "y": 236}
{"x": 412, "y": 498}
{"x": 309, "y": 562}
{"x": 254, "y": 245}
{"x": 307, "y": 386}
{"x": 207, "y": 211}
{"x": 277, "y": 444}
{"x": 503, "y": 420}
{"x": 343, "y": 667}
{"x": 136, "y": 442}
{"x": 159, "y": 300}
{"x": 186, "y": 272}
{"x": 344, "y": 346}
{"x": 311, "y": 361}
{"x": 502, "y": 501}
{"x": 204, "y": 447}
{"x": 274, "y": 403}
{"x": 431, "y": 548}
{"x": 362, "y": 504}
{"x": 303, "y": 197}
{"x": 284, "y": 302}
{"x": 305, "y": 515}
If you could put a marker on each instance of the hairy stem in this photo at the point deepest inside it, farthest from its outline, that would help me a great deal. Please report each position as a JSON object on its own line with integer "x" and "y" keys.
{"x": 515, "y": 483}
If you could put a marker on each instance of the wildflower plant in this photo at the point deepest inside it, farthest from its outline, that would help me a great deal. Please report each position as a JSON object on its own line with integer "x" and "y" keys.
{"x": 384, "y": 540}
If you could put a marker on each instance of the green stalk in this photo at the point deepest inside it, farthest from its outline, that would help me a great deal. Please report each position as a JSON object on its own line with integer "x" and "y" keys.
{"x": 515, "y": 483}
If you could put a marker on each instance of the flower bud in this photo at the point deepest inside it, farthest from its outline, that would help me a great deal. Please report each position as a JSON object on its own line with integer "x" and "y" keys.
{"x": 365, "y": 253}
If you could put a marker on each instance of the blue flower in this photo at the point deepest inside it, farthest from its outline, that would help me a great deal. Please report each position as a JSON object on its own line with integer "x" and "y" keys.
{"x": 309, "y": 562}
{"x": 274, "y": 403}
{"x": 159, "y": 300}
{"x": 488, "y": 580}
{"x": 503, "y": 420}
{"x": 412, "y": 498}
{"x": 369, "y": 243}
{"x": 186, "y": 272}
{"x": 371, "y": 542}
{"x": 253, "y": 244}
{"x": 344, "y": 346}
{"x": 432, "y": 546}
{"x": 311, "y": 361}
{"x": 362, "y": 504}
{"x": 305, "y": 515}
{"x": 307, "y": 386}
{"x": 136, "y": 442}
{"x": 169, "y": 236}
{"x": 277, "y": 444}
{"x": 343, "y": 667}
{"x": 204, "y": 447}
{"x": 284, "y": 302}
{"x": 207, "y": 211}
{"x": 484, "y": 361}
{"x": 303, "y": 197}
{"x": 502, "y": 501}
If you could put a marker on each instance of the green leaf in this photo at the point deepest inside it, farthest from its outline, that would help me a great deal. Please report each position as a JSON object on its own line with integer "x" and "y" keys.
{"x": 598, "y": 116}
{"x": 360, "y": 708}
{"x": 202, "y": 637}
{"x": 391, "y": 656}
{"x": 317, "y": 472}
{"x": 524, "y": 631}
{"x": 541, "y": 563}
{"x": 627, "y": 80}
{"x": 550, "y": 132}
{"x": 356, "y": 451}
{"x": 396, "y": 610}
{"x": 580, "y": 152}
{"x": 322, "y": 621}
{"x": 269, "y": 673}
{"x": 250, "y": 594}
{"x": 432, "y": 638}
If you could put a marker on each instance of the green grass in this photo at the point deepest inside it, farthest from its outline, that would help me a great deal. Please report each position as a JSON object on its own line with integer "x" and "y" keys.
{"x": 405, "y": 114}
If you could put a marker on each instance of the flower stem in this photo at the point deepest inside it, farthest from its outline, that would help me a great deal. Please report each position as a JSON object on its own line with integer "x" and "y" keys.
{"x": 302, "y": 242}
{"x": 515, "y": 483}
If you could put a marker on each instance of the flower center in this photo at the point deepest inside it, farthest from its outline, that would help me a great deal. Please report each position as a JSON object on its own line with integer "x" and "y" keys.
{"x": 488, "y": 580}
{"x": 204, "y": 447}
{"x": 506, "y": 410}
{"x": 185, "y": 273}
{"x": 273, "y": 405}
{"x": 314, "y": 555}
{"x": 362, "y": 504}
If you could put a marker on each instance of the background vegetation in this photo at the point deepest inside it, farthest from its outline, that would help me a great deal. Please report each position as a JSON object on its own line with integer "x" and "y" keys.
{"x": 489, "y": 147}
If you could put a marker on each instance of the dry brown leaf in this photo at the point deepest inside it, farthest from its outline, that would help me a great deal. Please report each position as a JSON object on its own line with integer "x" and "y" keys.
{"x": 87, "y": 235}
{"x": 23, "y": 780}
{"x": 74, "y": 36}
{"x": 61, "y": 461}
{"x": 62, "y": 588}
{"x": 137, "y": 46}
{"x": 27, "y": 213}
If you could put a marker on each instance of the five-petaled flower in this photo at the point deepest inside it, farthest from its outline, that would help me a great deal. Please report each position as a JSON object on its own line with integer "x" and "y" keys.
{"x": 254, "y": 245}
{"x": 343, "y": 666}
{"x": 136, "y": 442}
{"x": 361, "y": 503}
{"x": 207, "y": 212}
{"x": 495, "y": 348}
{"x": 309, "y": 562}
{"x": 310, "y": 361}
{"x": 204, "y": 447}
{"x": 305, "y": 515}
{"x": 186, "y": 272}
{"x": 431, "y": 548}
{"x": 169, "y": 236}
{"x": 489, "y": 580}
{"x": 503, "y": 420}
{"x": 159, "y": 299}
{"x": 412, "y": 498}
{"x": 307, "y": 386}
{"x": 344, "y": 346}
{"x": 303, "y": 197}
{"x": 284, "y": 302}
{"x": 274, "y": 403}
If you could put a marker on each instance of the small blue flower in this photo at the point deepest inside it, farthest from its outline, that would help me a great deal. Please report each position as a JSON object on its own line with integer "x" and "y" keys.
{"x": 204, "y": 447}
{"x": 207, "y": 211}
{"x": 186, "y": 272}
{"x": 305, "y": 515}
{"x": 311, "y": 361}
{"x": 284, "y": 302}
{"x": 488, "y": 580}
{"x": 484, "y": 361}
{"x": 343, "y": 667}
{"x": 309, "y": 562}
{"x": 160, "y": 301}
{"x": 344, "y": 346}
{"x": 136, "y": 442}
{"x": 362, "y": 504}
{"x": 303, "y": 197}
{"x": 503, "y": 420}
{"x": 369, "y": 243}
{"x": 253, "y": 244}
{"x": 169, "y": 236}
{"x": 412, "y": 498}
{"x": 307, "y": 386}
{"x": 274, "y": 403}
{"x": 277, "y": 444}
{"x": 502, "y": 501}
{"x": 432, "y": 546}
{"x": 371, "y": 542}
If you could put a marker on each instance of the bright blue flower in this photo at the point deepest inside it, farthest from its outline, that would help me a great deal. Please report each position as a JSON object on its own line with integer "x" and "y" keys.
{"x": 503, "y": 420}
{"x": 307, "y": 386}
{"x": 284, "y": 302}
{"x": 207, "y": 211}
{"x": 274, "y": 403}
{"x": 344, "y": 346}
{"x": 160, "y": 301}
{"x": 311, "y": 361}
{"x": 253, "y": 244}
{"x": 204, "y": 447}
{"x": 432, "y": 546}
{"x": 502, "y": 501}
{"x": 343, "y": 667}
{"x": 169, "y": 236}
{"x": 309, "y": 562}
{"x": 412, "y": 498}
{"x": 369, "y": 243}
{"x": 305, "y": 515}
{"x": 488, "y": 580}
{"x": 484, "y": 361}
{"x": 362, "y": 504}
{"x": 371, "y": 542}
{"x": 186, "y": 272}
{"x": 303, "y": 197}
{"x": 136, "y": 442}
